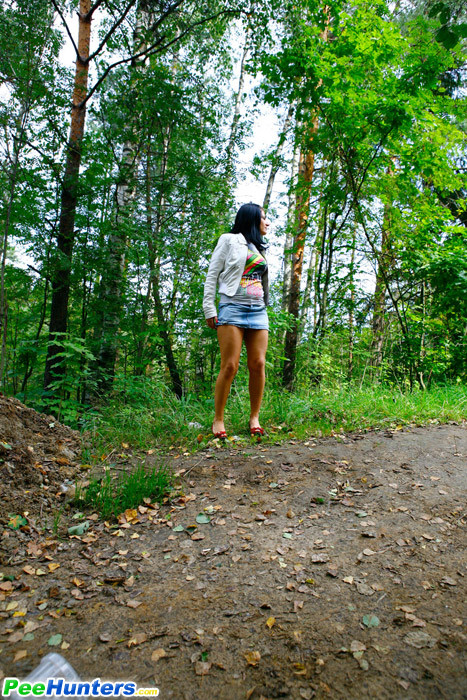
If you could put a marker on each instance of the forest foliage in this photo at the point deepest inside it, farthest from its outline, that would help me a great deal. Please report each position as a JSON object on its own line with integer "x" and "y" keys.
{"x": 122, "y": 128}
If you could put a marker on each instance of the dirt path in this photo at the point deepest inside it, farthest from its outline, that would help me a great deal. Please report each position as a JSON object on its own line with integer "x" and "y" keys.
{"x": 328, "y": 569}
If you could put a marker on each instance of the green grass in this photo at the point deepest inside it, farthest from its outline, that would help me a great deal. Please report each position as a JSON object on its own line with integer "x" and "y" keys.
{"x": 113, "y": 494}
{"x": 164, "y": 421}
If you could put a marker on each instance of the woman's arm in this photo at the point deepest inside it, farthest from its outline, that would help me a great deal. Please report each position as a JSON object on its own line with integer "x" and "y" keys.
{"x": 215, "y": 268}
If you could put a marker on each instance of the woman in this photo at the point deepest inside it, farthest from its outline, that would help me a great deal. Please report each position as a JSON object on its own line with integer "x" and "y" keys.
{"x": 241, "y": 271}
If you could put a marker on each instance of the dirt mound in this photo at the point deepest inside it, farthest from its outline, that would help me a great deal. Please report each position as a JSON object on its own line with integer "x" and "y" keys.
{"x": 36, "y": 452}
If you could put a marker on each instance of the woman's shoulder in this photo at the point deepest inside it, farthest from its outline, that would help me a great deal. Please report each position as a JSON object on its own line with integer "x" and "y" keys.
{"x": 233, "y": 238}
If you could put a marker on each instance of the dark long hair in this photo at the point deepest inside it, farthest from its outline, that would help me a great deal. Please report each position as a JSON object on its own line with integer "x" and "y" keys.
{"x": 248, "y": 221}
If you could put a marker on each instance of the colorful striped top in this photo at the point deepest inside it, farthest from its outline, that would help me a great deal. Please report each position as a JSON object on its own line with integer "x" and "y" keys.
{"x": 250, "y": 290}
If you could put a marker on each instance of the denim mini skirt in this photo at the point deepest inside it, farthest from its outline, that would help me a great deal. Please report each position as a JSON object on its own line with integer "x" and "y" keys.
{"x": 243, "y": 316}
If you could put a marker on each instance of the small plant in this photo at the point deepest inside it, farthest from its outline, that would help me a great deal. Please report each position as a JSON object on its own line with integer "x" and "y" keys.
{"x": 56, "y": 521}
{"x": 111, "y": 495}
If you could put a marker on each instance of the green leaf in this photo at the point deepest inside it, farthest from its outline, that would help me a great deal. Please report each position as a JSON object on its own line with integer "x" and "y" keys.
{"x": 370, "y": 621}
{"x": 178, "y": 528}
{"x": 79, "y": 529}
{"x": 446, "y": 37}
{"x": 436, "y": 9}
{"x": 55, "y": 640}
{"x": 287, "y": 535}
{"x": 16, "y": 522}
{"x": 203, "y": 519}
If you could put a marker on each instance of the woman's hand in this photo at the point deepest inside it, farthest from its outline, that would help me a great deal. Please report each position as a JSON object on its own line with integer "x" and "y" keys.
{"x": 212, "y": 322}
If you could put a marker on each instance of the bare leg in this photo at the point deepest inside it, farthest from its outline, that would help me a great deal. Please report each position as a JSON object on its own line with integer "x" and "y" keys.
{"x": 256, "y": 343}
{"x": 230, "y": 343}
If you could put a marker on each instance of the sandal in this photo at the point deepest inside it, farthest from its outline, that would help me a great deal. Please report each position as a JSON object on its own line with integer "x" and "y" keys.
{"x": 257, "y": 431}
{"x": 221, "y": 435}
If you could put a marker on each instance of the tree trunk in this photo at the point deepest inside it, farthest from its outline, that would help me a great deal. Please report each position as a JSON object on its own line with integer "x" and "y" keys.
{"x": 289, "y": 234}
{"x": 18, "y": 145}
{"x": 382, "y": 280}
{"x": 276, "y": 157}
{"x": 61, "y": 269}
{"x": 305, "y": 178}
{"x": 352, "y": 306}
{"x": 229, "y": 154}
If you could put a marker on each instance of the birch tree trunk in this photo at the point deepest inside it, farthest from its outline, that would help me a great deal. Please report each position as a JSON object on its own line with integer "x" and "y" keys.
{"x": 154, "y": 281}
{"x": 229, "y": 153}
{"x": 305, "y": 178}
{"x": 276, "y": 157}
{"x": 110, "y": 292}
{"x": 382, "y": 280}
{"x": 61, "y": 268}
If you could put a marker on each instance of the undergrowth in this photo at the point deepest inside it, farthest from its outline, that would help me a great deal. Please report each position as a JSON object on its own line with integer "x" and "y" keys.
{"x": 113, "y": 493}
{"x": 163, "y": 421}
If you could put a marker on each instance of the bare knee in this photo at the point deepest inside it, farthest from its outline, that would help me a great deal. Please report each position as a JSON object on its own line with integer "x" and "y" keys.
{"x": 230, "y": 369}
{"x": 257, "y": 366}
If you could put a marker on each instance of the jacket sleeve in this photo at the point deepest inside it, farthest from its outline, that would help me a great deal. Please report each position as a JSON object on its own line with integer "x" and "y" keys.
{"x": 215, "y": 268}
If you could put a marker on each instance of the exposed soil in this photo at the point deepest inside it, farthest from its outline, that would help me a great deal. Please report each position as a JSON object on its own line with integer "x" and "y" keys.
{"x": 333, "y": 568}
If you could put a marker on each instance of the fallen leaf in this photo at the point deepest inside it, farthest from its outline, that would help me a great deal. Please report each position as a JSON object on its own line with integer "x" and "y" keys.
{"x": 20, "y": 655}
{"x": 203, "y": 519}
{"x": 357, "y": 646}
{"x": 133, "y": 604}
{"x": 197, "y": 536}
{"x": 270, "y": 622}
{"x": 16, "y": 637}
{"x": 348, "y": 579}
{"x": 79, "y": 529}
{"x": 447, "y": 580}
{"x": 17, "y": 521}
{"x": 137, "y": 639}
{"x": 202, "y": 668}
{"x": 363, "y": 589}
{"x": 30, "y": 626}
{"x": 53, "y": 566}
{"x": 158, "y": 654}
{"x": 252, "y": 657}
{"x": 419, "y": 639}
{"x": 299, "y": 669}
{"x": 55, "y": 640}
{"x": 29, "y": 570}
{"x": 319, "y": 558}
{"x": 370, "y": 620}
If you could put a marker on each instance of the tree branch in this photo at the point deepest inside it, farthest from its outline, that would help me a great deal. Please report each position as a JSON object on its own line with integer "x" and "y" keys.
{"x": 70, "y": 36}
{"x": 96, "y": 5}
{"x": 110, "y": 32}
{"x": 152, "y": 50}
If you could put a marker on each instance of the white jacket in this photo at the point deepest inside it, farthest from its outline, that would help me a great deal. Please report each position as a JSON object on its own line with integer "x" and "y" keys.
{"x": 226, "y": 267}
